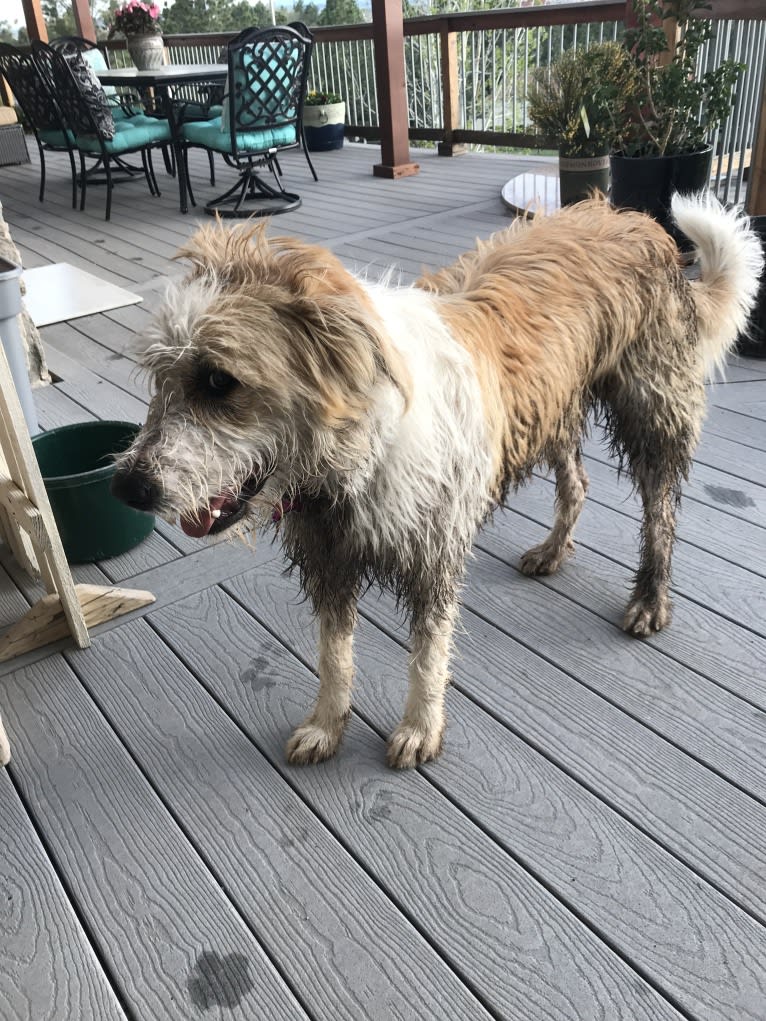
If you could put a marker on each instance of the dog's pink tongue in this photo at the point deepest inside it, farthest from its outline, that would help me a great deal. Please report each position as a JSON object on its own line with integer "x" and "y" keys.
{"x": 199, "y": 526}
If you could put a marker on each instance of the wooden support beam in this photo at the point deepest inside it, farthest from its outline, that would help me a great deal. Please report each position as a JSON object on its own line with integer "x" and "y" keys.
{"x": 33, "y": 15}
{"x": 756, "y": 191}
{"x": 391, "y": 78}
{"x": 450, "y": 94}
{"x": 84, "y": 19}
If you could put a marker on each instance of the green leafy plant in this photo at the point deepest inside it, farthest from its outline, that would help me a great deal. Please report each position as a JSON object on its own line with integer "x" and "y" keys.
{"x": 316, "y": 98}
{"x": 569, "y": 101}
{"x": 668, "y": 109}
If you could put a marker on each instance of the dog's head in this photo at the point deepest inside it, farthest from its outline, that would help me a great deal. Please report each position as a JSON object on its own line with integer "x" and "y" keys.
{"x": 264, "y": 363}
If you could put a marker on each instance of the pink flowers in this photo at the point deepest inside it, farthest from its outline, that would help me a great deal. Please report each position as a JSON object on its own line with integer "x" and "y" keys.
{"x": 135, "y": 18}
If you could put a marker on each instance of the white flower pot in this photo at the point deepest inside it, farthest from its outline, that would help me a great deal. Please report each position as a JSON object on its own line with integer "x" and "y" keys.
{"x": 324, "y": 126}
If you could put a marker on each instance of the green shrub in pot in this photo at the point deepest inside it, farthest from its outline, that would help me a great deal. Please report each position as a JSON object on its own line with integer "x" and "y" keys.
{"x": 662, "y": 123}
{"x": 568, "y": 104}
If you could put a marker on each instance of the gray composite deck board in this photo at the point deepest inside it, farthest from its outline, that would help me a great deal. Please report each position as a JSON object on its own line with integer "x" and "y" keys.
{"x": 502, "y": 930}
{"x": 724, "y": 732}
{"x": 342, "y": 945}
{"x": 590, "y": 846}
{"x": 155, "y": 912}
{"x": 699, "y": 638}
{"x": 48, "y": 968}
{"x": 654, "y": 909}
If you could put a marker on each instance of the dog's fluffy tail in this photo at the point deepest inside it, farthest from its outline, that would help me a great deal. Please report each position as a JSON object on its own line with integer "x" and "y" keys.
{"x": 731, "y": 261}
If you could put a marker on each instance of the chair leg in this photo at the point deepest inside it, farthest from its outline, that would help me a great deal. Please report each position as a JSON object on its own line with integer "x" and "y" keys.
{"x": 146, "y": 172}
{"x": 83, "y": 182}
{"x": 108, "y": 171}
{"x": 150, "y": 161}
{"x": 183, "y": 157}
{"x": 306, "y": 153}
{"x": 212, "y": 167}
{"x": 74, "y": 178}
{"x": 42, "y": 171}
{"x": 169, "y": 158}
{"x": 275, "y": 163}
{"x": 246, "y": 182}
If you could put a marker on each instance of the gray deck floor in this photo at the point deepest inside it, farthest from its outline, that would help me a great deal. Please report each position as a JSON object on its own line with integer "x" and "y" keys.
{"x": 591, "y": 845}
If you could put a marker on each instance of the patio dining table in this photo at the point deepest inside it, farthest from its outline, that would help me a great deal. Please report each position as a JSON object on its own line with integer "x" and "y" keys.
{"x": 162, "y": 80}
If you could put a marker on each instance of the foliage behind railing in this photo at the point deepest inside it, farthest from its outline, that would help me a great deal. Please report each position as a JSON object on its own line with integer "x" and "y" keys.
{"x": 490, "y": 54}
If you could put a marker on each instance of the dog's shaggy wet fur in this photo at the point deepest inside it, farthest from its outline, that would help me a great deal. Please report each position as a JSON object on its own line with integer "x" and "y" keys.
{"x": 399, "y": 417}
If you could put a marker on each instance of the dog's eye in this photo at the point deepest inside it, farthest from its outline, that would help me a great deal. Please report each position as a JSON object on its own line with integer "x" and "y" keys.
{"x": 220, "y": 382}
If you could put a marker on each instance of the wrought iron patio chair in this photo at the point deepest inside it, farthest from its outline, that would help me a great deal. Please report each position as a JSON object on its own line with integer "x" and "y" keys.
{"x": 262, "y": 116}
{"x": 97, "y": 135}
{"x": 42, "y": 113}
{"x": 75, "y": 47}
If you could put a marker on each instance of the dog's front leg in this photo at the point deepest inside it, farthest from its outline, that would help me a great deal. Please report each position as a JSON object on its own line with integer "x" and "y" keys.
{"x": 318, "y": 737}
{"x": 419, "y": 736}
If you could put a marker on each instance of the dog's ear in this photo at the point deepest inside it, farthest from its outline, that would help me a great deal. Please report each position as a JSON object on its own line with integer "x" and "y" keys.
{"x": 339, "y": 350}
{"x": 339, "y": 346}
{"x": 345, "y": 345}
{"x": 229, "y": 255}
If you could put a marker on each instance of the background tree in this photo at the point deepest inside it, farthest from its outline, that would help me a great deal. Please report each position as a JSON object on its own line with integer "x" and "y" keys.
{"x": 341, "y": 12}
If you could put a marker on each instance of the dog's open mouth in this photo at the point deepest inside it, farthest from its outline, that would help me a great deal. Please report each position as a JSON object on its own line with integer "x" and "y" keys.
{"x": 222, "y": 511}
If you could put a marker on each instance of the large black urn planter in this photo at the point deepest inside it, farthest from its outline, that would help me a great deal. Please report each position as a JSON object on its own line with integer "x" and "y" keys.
{"x": 649, "y": 182}
{"x": 753, "y": 343}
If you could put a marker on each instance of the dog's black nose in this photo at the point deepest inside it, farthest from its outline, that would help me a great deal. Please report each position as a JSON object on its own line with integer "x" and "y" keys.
{"x": 135, "y": 489}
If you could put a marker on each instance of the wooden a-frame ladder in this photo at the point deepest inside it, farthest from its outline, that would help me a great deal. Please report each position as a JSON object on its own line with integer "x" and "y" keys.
{"x": 28, "y": 526}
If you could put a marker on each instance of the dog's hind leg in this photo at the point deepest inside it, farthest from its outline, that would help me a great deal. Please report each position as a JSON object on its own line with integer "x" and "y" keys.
{"x": 571, "y": 487}
{"x": 657, "y": 429}
{"x": 419, "y": 736}
{"x": 649, "y": 609}
{"x": 318, "y": 737}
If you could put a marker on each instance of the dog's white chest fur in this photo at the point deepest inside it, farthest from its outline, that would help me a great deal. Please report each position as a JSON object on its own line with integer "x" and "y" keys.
{"x": 431, "y": 461}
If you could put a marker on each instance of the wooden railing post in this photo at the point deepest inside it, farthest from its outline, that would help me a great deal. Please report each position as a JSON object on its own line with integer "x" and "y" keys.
{"x": 756, "y": 191}
{"x": 84, "y": 19}
{"x": 450, "y": 94}
{"x": 391, "y": 78}
{"x": 35, "y": 22}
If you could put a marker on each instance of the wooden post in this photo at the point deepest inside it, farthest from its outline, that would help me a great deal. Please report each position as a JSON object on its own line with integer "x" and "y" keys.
{"x": 84, "y": 19}
{"x": 391, "y": 79}
{"x": 33, "y": 15}
{"x": 450, "y": 94}
{"x": 756, "y": 191}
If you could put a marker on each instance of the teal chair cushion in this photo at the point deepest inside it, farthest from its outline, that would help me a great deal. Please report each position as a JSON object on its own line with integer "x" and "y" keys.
{"x": 58, "y": 138}
{"x": 129, "y": 134}
{"x": 210, "y": 135}
{"x": 275, "y": 79}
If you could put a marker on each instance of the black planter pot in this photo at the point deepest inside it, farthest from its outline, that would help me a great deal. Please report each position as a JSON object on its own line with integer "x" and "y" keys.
{"x": 753, "y": 343}
{"x": 580, "y": 176}
{"x": 649, "y": 182}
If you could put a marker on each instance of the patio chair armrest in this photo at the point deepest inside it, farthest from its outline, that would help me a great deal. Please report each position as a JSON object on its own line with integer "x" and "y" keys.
{"x": 128, "y": 102}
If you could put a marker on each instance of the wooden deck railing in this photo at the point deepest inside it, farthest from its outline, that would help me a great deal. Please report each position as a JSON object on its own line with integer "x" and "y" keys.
{"x": 467, "y": 75}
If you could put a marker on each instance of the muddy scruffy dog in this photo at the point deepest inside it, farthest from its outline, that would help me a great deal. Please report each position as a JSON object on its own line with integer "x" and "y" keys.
{"x": 400, "y": 416}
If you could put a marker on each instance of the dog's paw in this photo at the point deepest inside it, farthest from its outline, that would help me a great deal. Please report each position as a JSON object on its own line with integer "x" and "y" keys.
{"x": 644, "y": 617}
{"x": 310, "y": 743}
{"x": 410, "y": 745}
{"x": 546, "y": 558}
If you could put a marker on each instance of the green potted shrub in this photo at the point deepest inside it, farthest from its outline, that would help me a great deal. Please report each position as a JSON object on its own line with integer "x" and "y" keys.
{"x": 567, "y": 102}
{"x": 324, "y": 116}
{"x": 663, "y": 117}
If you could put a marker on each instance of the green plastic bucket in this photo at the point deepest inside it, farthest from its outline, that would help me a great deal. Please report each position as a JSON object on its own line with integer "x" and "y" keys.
{"x": 76, "y": 463}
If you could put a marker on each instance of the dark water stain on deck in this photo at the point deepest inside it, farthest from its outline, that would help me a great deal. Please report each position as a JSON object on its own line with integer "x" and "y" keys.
{"x": 729, "y": 497}
{"x": 217, "y": 981}
{"x": 257, "y": 674}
